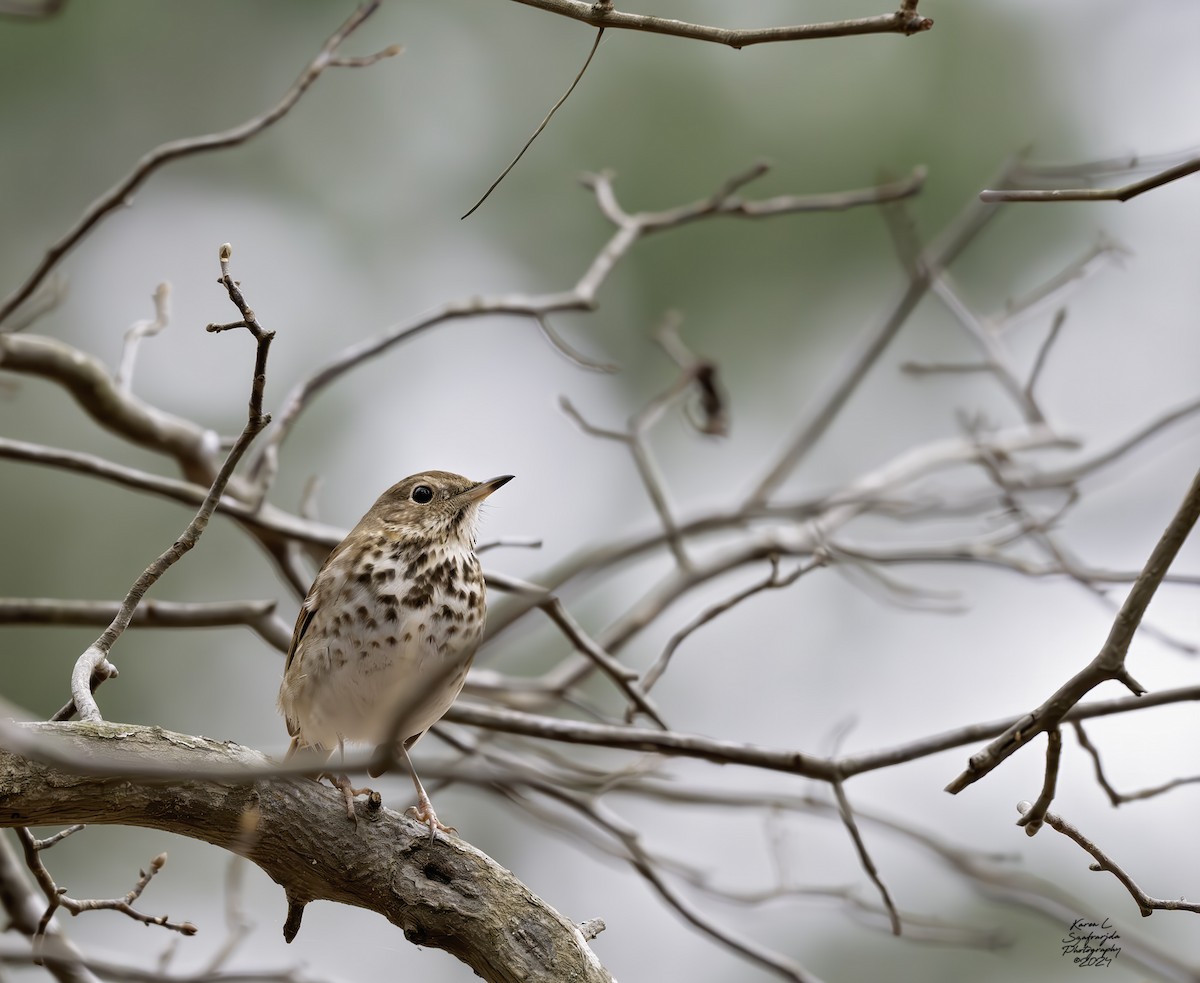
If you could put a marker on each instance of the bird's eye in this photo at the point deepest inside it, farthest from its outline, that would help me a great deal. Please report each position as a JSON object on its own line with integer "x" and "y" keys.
{"x": 422, "y": 494}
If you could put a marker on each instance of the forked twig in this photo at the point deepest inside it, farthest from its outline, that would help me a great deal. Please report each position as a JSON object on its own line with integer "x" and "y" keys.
{"x": 93, "y": 666}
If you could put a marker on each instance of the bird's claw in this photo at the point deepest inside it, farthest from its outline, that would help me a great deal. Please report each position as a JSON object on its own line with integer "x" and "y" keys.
{"x": 350, "y": 793}
{"x": 423, "y": 813}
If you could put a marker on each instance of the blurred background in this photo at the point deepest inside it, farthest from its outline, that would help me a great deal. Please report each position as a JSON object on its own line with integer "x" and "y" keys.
{"x": 344, "y": 219}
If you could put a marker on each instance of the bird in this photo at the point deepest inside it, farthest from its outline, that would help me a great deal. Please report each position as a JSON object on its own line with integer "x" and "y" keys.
{"x": 388, "y": 630}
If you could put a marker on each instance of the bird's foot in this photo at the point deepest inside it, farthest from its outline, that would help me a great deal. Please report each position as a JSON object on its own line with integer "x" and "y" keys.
{"x": 350, "y": 793}
{"x": 423, "y": 812}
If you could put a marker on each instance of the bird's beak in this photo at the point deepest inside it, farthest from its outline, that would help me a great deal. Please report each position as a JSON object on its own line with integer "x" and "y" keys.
{"x": 477, "y": 493}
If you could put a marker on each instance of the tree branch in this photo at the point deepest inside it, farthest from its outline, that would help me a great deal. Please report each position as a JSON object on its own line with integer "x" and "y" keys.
{"x": 904, "y": 21}
{"x": 122, "y": 192}
{"x": 1109, "y": 662}
{"x": 446, "y": 896}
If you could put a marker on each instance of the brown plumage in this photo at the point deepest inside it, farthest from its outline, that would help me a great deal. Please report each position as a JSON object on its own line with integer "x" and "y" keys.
{"x": 389, "y": 628}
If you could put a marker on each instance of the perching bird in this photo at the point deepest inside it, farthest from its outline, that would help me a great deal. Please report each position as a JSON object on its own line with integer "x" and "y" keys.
{"x": 390, "y": 626}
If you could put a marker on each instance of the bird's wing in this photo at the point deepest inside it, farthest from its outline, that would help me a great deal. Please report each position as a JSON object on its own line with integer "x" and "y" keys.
{"x": 311, "y": 602}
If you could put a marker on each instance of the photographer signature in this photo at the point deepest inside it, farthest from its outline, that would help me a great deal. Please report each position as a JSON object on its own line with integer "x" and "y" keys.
{"x": 1091, "y": 943}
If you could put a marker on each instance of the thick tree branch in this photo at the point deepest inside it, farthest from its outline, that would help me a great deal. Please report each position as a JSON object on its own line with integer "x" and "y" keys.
{"x": 445, "y": 896}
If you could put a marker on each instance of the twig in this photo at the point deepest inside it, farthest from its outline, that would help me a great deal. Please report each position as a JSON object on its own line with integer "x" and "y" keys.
{"x": 644, "y": 864}
{"x": 903, "y": 21}
{"x": 1146, "y": 904}
{"x": 714, "y": 403}
{"x": 824, "y": 409}
{"x": 580, "y": 297}
{"x": 652, "y": 480}
{"x": 559, "y": 344}
{"x": 1032, "y": 817}
{"x": 57, "y": 897}
{"x": 24, "y": 906}
{"x": 864, "y": 857}
{"x": 1109, "y": 662}
{"x": 140, "y": 330}
{"x": 510, "y": 542}
{"x": 772, "y": 581}
{"x": 267, "y": 518}
{"x": 1060, "y": 316}
{"x": 95, "y": 657}
{"x": 541, "y": 126}
{"x": 623, "y": 677}
{"x": 1119, "y": 798}
{"x": 1122, "y": 193}
{"x": 123, "y": 191}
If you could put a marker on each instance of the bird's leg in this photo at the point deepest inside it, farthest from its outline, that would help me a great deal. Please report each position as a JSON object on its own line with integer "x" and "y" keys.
{"x": 423, "y": 810}
{"x": 342, "y": 783}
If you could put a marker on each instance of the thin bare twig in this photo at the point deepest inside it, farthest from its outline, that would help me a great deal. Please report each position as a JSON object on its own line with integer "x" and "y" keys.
{"x": 635, "y": 439}
{"x": 1032, "y": 817}
{"x": 1146, "y": 904}
{"x": 824, "y": 409}
{"x": 57, "y": 897}
{"x": 571, "y": 354}
{"x": 1119, "y": 798}
{"x": 95, "y": 658}
{"x": 864, "y": 857}
{"x": 140, "y": 330}
{"x": 1109, "y": 662}
{"x": 1060, "y": 316}
{"x": 1121, "y": 193}
{"x": 123, "y": 191}
{"x": 24, "y": 906}
{"x": 267, "y": 518}
{"x": 772, "y": 581}
{"x": 581, "y": 296}
{"x": 541, "y": 126}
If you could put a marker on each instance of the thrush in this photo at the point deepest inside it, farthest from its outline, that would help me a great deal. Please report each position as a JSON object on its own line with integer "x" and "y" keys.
{"x": 389, "y": 628}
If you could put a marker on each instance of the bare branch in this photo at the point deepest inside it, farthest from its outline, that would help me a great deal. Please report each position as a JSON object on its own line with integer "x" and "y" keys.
{"x": 904, "y": 21}
{"x": 259, "y": 616}
{"x": 823, "y": 410}
{"x": 559, "y": 344}
{"x": 95, "y": 657}
{"x": 267, "y": 518}
{"x": 635, "y": 439}
{"x": 1060, "y": 316}
{"x": 1119, "y": 798}
{"x": 864, "y": 857}
{"x": 644, "y": 864}
{"x": 773, "y": 581}
{"x": 89, "y": 382}
{"x": 24, "y": 908}
{"x": 1122, "y": 193}
{"x": 57, "y": 897}
{"x": 624, "y": 678}
{"x": 1032, "y": 817}
{"x": 123, "y": 191}
{"x": 1109, "y": 662}
{"x": 1146, "y": 904}
{"x": 580, "y": 297}
{"x": 143, "y": 329}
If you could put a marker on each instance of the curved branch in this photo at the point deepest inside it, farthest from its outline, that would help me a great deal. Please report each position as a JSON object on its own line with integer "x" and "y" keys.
{"x": 88, "y": 380}
{"x": 447, "y": 895}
